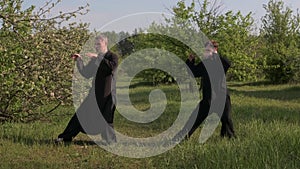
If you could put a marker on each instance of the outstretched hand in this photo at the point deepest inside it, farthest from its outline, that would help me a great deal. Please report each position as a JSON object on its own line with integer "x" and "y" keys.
{"x": 75, "y": 56}
{"x": 91, "y": 55}
{"x": 191, "y": 57}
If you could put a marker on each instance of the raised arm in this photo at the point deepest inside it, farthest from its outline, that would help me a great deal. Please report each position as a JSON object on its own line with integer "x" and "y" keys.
{"x": 88, "y": 70}
{"x": 198, "y": 69}
{"x": 226, "y": 63}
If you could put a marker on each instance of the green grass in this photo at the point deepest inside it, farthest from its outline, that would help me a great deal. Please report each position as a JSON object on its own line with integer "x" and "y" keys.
{"x": 266, "y": 120}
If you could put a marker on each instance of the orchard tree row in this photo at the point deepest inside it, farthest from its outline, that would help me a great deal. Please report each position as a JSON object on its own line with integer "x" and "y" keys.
{"x": 270, "y": 52}
{"x": 36, "y": 69}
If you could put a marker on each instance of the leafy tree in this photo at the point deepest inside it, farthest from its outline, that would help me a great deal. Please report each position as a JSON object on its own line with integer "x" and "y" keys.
{"x": 162, "y": 42}
{"x": 231, "y": 30}
{"x": 35, "y": 58}
{"x": 152, "y": 43}
{"x": 280, "y": 31}
{"x": 124, "y": 45}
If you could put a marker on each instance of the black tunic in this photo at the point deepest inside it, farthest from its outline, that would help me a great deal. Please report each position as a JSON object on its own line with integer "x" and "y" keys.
{"x": 216, "y": 76}
{"x": 212, "y": 71}
{"x": 102, "y": 69}
{"x": 105, "y": 86}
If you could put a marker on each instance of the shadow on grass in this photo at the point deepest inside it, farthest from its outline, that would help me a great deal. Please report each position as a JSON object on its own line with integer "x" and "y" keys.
{"x": 142, "y": 84}
{"x": 137, "y": 84}
{"x": 84, "y": 142}
{"x": 141, "y": 96}
{"x": 287, "y": 94}
{"x": 27, "y": 140}
{"x": 241, "y": 84}
{"x": 32, "y": 141}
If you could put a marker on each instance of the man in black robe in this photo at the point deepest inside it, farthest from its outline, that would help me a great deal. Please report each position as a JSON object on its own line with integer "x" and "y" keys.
{"x": 209, "y": 71}
{"x": 226, "y": 120}
{"x": 96, "y": 114}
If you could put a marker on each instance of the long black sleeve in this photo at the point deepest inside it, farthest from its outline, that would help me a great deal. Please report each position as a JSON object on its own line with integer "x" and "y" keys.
{"x": 109, "y": 64}
{"x": 88, "y": 70}
{"x": 226, "y": 63}
{"x": 197, "y": 70}
{"x": 111, "y": 60}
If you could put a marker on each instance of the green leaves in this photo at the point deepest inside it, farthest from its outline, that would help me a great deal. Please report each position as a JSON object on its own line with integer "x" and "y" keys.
{"x": 236, "y": 43}
{"x": 273, "y": 54}
{"x": 231, "y": 30}
{"x": 35, "y": 59}
{"x": 280, "y": 31}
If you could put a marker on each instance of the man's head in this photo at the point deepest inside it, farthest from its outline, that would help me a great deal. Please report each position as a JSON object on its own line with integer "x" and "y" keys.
{"x": 101, "y": 43}
{"x": 215, "y": 45}
{"x": 209, "y": 50}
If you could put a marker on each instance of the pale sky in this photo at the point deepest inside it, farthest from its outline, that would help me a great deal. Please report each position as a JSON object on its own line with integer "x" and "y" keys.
{"x": 103, "y": 12}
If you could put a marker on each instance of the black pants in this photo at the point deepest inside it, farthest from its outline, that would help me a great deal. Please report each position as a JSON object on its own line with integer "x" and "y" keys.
{"x": 93, "y": 122}
{"x": 227, "y": 125}
{"x": 201, "y": 114}
{"x": 74, "y": 127}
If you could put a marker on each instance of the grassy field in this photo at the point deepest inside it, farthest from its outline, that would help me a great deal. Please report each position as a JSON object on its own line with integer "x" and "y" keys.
{"x": 266, "y": 120}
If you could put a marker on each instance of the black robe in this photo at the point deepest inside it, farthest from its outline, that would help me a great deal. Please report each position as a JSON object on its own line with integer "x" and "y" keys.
{"x": 213, "y": 89}
{"x": 102, "y": 69}
{"x": 101, "y": 98}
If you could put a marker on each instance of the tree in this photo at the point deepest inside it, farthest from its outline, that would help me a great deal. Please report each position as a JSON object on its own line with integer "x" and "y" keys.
{"x": 205, "y": 21}
{"x": 35, "y": 65}
{"x": 280, "y": 31}
{"x": 159, "y": 50}
{"x": 124, "y": 45}
{"x": 231, "y": 30}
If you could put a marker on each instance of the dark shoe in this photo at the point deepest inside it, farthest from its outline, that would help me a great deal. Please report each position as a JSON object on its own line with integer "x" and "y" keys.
{"x": 229, "y": 136}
